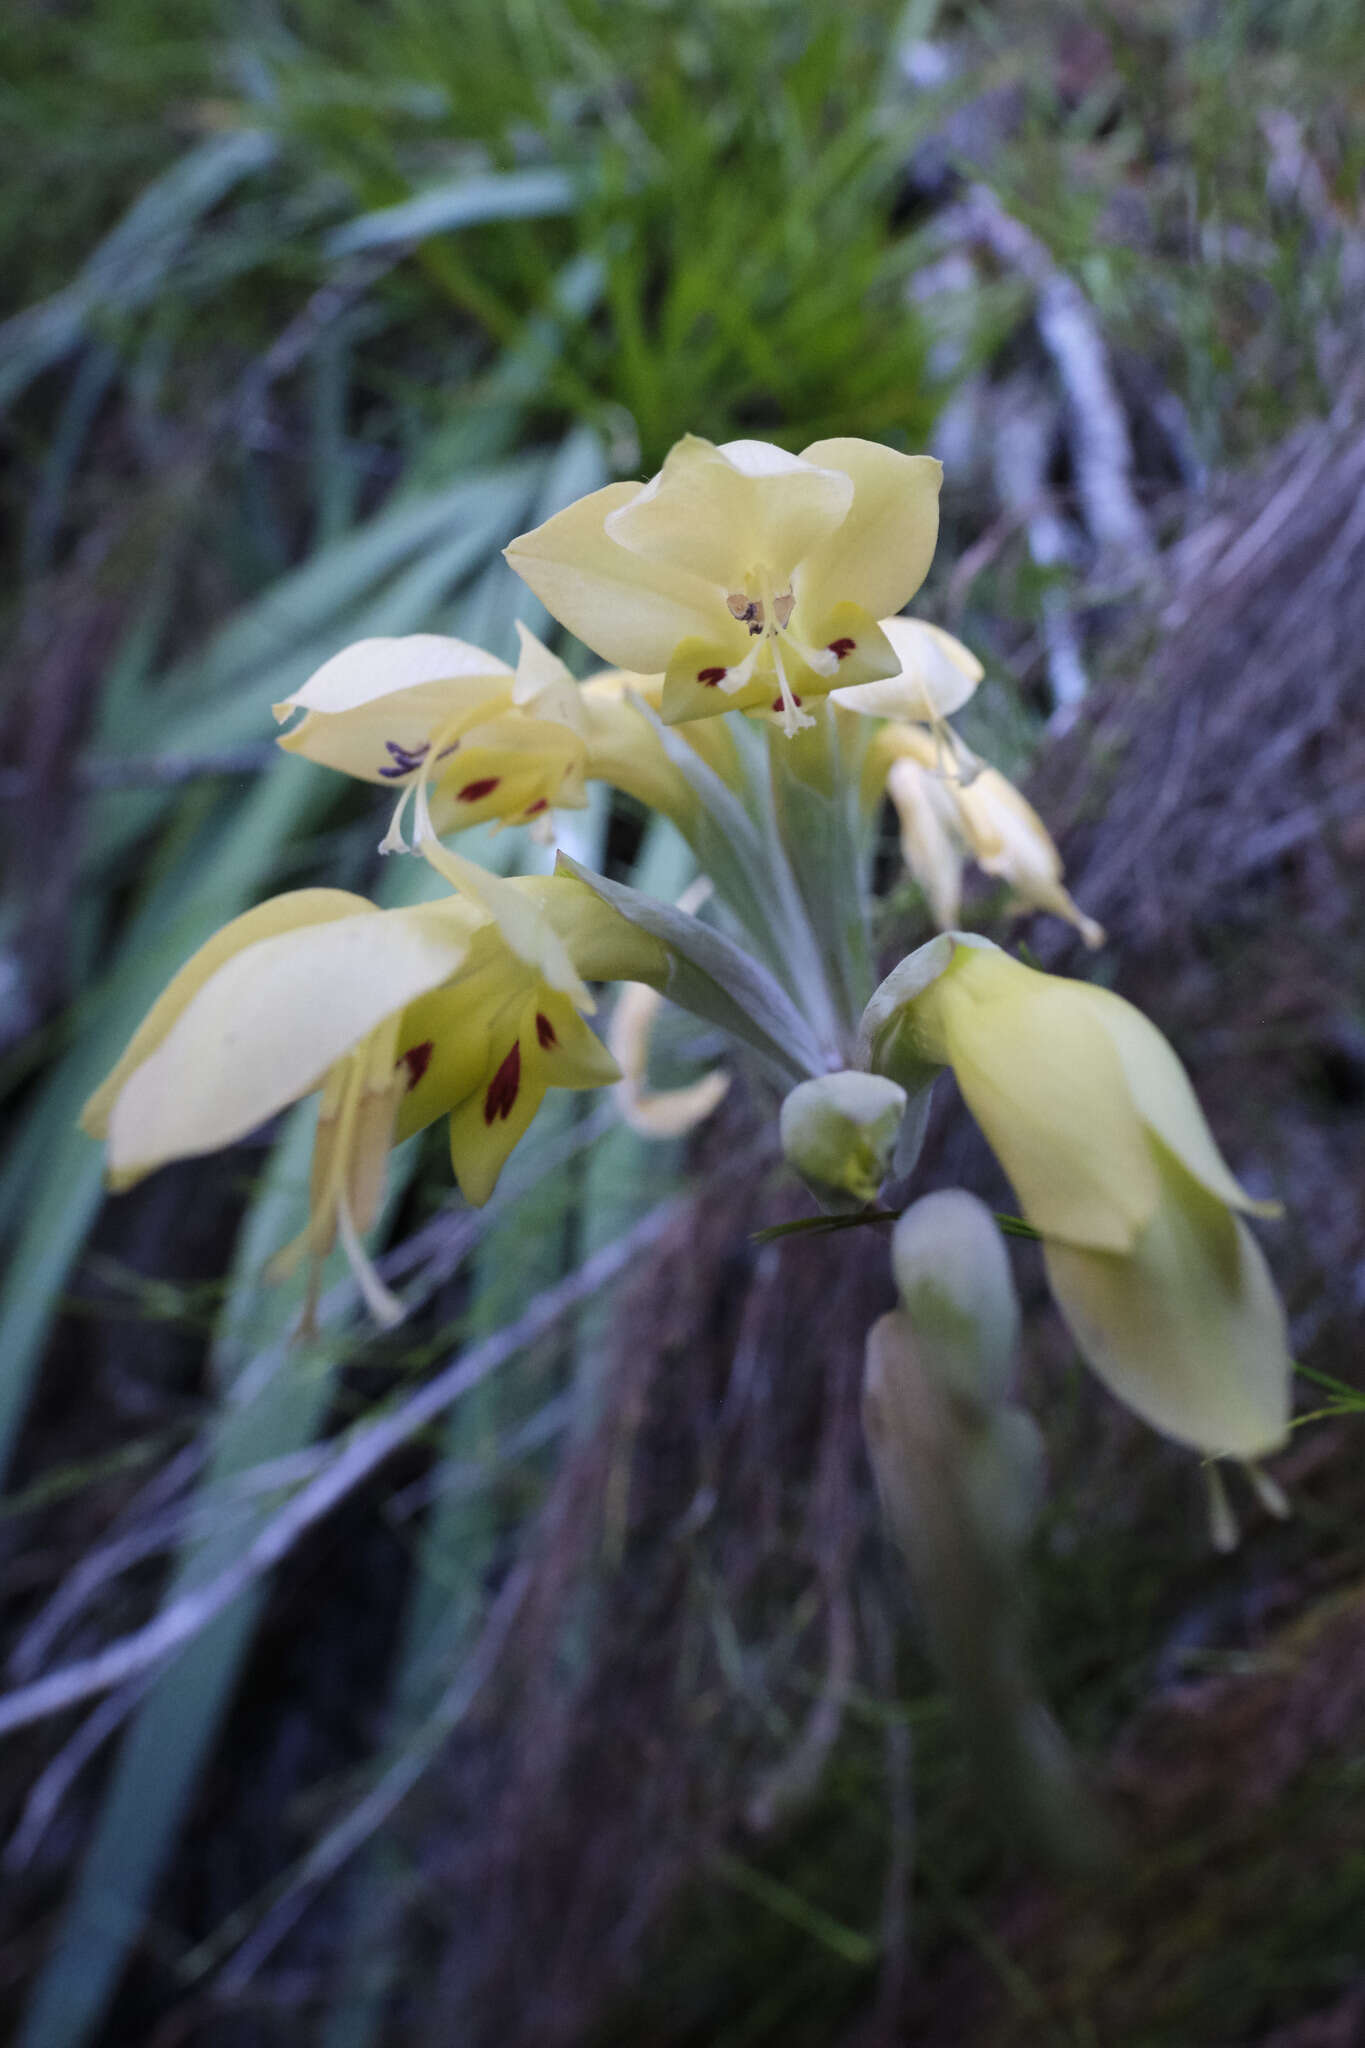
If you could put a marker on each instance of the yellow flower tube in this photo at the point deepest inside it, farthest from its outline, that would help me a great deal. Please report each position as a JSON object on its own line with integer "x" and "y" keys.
{"x": 1094, "y": 1120}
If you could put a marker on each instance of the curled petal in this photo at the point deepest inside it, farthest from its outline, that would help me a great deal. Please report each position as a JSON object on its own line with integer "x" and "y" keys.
{"x": 721, "y": 513}
{"x": 880, "y": 554}
{"x": 629, "y": 610}
{"x": 376, "y": 709}
{"x": 931, "y": 843}
{"x": 1010, "y": 840}
{"x": 937, "y": 676}
{"x": 655, "y": 1113}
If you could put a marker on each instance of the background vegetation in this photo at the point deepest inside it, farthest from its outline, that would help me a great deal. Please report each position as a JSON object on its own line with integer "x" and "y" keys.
{"x": 595, "y": 1711}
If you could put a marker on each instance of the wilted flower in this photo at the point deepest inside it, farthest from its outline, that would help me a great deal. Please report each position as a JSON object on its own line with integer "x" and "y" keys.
{"x": 749, "y": 577}
{"x": 1095, "y": 1122}
{"x": 950, "y": 807}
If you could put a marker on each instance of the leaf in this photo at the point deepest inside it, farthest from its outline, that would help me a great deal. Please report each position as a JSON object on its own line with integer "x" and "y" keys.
{"x": 714, "y": 978}
{"x": 463, "y": 203}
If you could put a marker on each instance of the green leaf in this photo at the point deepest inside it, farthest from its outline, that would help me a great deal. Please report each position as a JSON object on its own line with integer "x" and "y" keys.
{"x": 714, "y": 978}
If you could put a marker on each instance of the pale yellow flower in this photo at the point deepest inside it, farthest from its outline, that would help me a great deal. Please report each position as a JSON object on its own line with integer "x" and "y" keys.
{"x": 750, "y": 578}
{"x": 1093, "y": 1119}
{"x": 469, "y": 1007}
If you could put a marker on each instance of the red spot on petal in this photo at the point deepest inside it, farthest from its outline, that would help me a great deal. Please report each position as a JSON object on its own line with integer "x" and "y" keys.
{"x": 711, "y": 675}
{"x": 416, "y": 1059}
{"x": 842, "y": 648}
{"x": 545, "y": 1031}
{"x": 533, "y": 810}
{"x": 502, "y": 1089}
{"x": 777, "y": 702}
{"x": 474, "y": 791}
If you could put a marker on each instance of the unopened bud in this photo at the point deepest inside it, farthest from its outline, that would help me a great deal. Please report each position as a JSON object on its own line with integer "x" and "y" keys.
{"x": 839, "y": 1132}
{"x": 954, "y": 1277}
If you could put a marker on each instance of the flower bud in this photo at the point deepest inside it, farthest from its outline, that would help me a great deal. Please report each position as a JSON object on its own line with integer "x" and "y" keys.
{"x": 953, "y": 1274}
{"x": 839, "y": 1132}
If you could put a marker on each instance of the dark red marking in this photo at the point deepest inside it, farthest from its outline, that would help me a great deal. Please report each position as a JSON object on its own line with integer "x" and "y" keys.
{"x": 711, "y": 675}
{"x": 777, "y": 702}
{"x": 474, "y": 791}
{"x": 541, "y": 803}
{"x": 842, "y": 648}
{"x": 416, "y": 1059}
{"x": 545, "y": 1031}
{"x": 502, "y": 1089}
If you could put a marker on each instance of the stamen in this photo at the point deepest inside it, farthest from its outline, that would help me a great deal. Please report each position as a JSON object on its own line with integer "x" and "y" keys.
{"x": 503, "y": 1088}
{"x": 1268, "y": 1492}
{"x": 783, "y": 607}
{"x": 793, "y": 717}
{"x": 748, "y": 610}
{"x": 383, "y": 1305}
{"x": 1223, "y": 1531}
{"x": 416, "y": 1059}
{"x": 393, "y": 840}
{"x": 545, "y": 1031}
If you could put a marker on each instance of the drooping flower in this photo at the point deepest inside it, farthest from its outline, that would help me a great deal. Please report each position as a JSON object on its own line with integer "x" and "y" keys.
{"x": 750, "y": 578}
{"x": 953, "y": 807}
{"x": 486, "y": 742}
{"x": 469, "y": 1007}
{"x": 1095, "y": 1122}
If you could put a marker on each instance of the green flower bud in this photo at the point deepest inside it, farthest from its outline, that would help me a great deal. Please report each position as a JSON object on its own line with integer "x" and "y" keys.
{"x": 954, "y": 1277}
{"x": 839, "y": 1132}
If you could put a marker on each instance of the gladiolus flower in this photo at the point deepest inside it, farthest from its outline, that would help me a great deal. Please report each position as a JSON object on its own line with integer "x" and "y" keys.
{"x": 1095, "y": 1122}
{"x": 469, "y": 1007}
{"x": 751, "y": 578}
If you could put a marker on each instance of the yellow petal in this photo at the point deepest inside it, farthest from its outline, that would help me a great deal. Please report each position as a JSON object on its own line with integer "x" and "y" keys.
{"x": 1165, "y": 1101}
{"x": 521, "y": 923}
{"x": 724, "y": 513}
{"x": 508, "y": 767}
{"x": 375, "y": 709}
{"x": 937, "y": 675}
{"x": 486, "y": 1127}
{"x": 930, "y": 842}
{"x": 281, "y": 914}
{"x": 1188, "y": 1328}
{"x": 630, "y": 611}
{"x": 1010, "y": 840}
{"x": 1043, "y": 1078}
{"x": 544, "y": 686}
{"x": 442, "y": 1045}
{"x": 881, "y": 553}
{"x": 265, "y": 1027}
